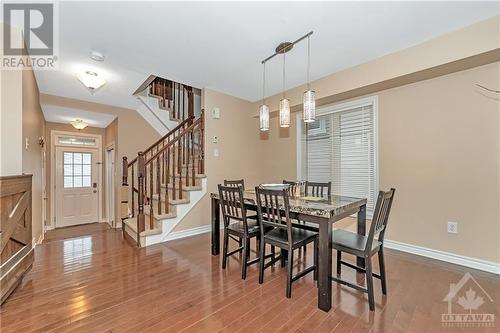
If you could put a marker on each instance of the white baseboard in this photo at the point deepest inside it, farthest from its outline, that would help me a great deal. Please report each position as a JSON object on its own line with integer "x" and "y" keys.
{"x": 480, "y": 264}
{"x": 188, "y": 232}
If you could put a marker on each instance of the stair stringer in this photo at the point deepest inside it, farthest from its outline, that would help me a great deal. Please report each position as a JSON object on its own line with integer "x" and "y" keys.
{"x": 168, "y": 225}
{"x": 158, "y": 118}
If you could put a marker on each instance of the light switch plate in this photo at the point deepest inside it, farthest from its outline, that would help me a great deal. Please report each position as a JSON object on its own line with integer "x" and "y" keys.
{"x": 215, "y": 113}
{"x": 216, "y": 152}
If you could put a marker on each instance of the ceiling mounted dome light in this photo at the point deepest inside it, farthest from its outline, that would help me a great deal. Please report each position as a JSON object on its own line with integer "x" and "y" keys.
{"x": 91, "y": 80}
{"x": 309, "y": 100}
{"x": 97, "y": 56}
{"x": 79, "y": 124}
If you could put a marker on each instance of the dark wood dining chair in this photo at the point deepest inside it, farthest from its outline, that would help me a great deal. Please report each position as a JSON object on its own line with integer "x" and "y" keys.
{"x": 292, "y": 184}
{"x": 238, "y": 225}
{"x": 366, "y": 247}
{"x": 318, "y": 189}
{"x": 235, "y": 183}
{"x": 272, "y": 206}
{"x": 240, "y": 183}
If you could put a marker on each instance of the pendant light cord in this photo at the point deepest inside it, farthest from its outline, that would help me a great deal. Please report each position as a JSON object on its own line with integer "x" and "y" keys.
{"x": 264, "y": 85}
{"x": 308, "y": 62}
{"x": 284, "y": 75}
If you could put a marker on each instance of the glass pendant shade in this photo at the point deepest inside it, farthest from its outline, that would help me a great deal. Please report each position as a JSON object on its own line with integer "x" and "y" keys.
{"x": 264, "y": 117}
{"x": 285, "y": 112}
{"x": 309, "y": 106}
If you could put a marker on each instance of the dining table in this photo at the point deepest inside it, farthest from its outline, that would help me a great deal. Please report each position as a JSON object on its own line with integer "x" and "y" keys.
{"x": 322, "y": 213}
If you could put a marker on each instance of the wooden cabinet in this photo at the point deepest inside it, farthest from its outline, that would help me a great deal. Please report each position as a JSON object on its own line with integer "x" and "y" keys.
{"x": 16, "y": 245}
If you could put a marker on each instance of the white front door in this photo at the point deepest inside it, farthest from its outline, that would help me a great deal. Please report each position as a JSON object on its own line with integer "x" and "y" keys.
{"x": 77, "y": 199}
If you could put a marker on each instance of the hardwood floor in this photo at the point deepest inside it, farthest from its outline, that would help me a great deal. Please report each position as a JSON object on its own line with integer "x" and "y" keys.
{"x": 88, "y": 279}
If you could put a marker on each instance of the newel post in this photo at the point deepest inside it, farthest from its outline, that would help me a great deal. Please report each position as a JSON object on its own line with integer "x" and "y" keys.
{"x": 125, "y": 171}
{"x": 141, "y": 171}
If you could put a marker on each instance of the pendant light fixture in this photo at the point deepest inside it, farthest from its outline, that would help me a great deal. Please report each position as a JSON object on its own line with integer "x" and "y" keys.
{"x": 264, "y": 109}
{"x": 309, "y": 101}
{"x": 284, "y": 103}
{"x": 284, "y": 106}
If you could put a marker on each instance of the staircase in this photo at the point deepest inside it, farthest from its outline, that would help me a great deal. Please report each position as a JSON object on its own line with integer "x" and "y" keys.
{"x": 163, "y": 182}
{"x": 164, "y": 102}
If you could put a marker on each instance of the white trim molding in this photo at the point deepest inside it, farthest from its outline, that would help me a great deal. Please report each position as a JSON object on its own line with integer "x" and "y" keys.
{"x": 480, "y": 264}
{"x": 188, "y": 232}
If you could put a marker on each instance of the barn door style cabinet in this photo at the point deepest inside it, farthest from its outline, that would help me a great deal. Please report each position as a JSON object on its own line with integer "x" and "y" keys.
{"x": 16, "y": 246}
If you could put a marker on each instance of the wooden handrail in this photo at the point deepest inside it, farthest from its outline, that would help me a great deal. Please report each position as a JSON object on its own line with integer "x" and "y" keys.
{"x": 173, "y": 141}
{"x": 166, "y": 136}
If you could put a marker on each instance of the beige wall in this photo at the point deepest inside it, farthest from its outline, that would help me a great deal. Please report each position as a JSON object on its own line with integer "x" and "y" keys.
{"x": 237, "y": 133}
{"x": 111, "y": 139}
{"x": 33, "y": 128}
{"x": 439, "y": 147}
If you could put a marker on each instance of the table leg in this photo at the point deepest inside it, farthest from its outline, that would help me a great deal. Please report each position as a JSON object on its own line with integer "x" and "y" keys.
{"x": 361, "y": 231}
{"x": 215, "y": 227}
{"x": 325, "y": 267}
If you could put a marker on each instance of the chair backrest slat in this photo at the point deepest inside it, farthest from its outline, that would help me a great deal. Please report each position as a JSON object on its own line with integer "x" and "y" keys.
{"x": 380, "y": 216}
{"x": 319, "y": 189}
{"x": 232, "y": 205}
{"x": 273, "y": 208}
{"x": 235, "y": 183}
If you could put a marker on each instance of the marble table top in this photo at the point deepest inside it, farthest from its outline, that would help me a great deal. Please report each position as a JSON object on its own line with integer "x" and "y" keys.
{"x": 321, "y": 207}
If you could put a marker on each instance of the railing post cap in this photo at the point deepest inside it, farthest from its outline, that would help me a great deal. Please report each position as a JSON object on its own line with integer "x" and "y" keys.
{"x": 124, "y": 158}
{"x": 140, "y": 153}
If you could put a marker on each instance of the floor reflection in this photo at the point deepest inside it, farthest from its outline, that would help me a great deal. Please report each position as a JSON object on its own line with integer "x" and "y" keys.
{"x": 77, "y": 254}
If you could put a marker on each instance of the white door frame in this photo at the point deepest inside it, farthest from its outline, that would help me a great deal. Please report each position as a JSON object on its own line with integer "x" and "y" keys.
{"x": 109, "y": 201}
{"x": 44, "y": 185}
{"x": 53, "y": 144}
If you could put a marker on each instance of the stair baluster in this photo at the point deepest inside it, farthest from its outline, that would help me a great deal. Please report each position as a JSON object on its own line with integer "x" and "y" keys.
{"x": 141, "y": 225}
{"x": 171, "y": 163}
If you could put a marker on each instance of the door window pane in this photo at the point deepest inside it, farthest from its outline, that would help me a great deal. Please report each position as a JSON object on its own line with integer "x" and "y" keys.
{"x": 77, "y": 169}
{"x": 68, "y": 170}
{"x": 68, "y": 140}
{"x": 68, "y": 182}
{"x": 86, "y": 170}
{"x": 68, "y": 158}
{"x": 77, "y": 181}
{"x": 77, "y": 158}
{"x": 86, "y": 181}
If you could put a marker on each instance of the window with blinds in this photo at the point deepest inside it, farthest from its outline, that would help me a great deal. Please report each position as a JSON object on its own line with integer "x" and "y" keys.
{"x": 340, "y": 146}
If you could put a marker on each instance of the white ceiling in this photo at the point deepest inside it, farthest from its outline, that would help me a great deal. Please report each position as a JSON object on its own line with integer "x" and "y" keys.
{"x": 58, "y": 114}
{"x": 220, "y": 45}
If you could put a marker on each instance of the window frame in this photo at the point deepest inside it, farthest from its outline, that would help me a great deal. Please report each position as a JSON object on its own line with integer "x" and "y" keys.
{"x": 73, "y": 176}
{"x": 335, "y": 108}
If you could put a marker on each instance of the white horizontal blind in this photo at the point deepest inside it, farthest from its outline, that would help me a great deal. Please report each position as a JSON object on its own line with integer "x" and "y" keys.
{"x": 343, "y": 152}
